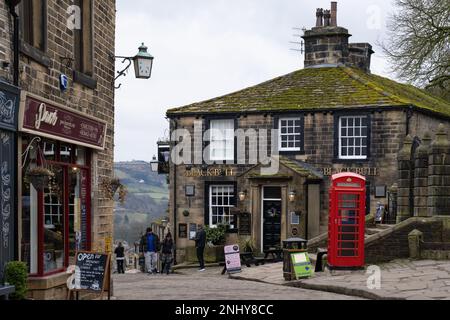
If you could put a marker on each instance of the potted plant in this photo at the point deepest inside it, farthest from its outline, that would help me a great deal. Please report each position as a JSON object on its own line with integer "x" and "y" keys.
{"x": 247, "y": 245}
{"x": 40, "y": 177}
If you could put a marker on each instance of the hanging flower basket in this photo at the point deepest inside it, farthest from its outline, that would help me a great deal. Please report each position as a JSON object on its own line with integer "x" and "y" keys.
{"x": 110, "y": 187}
{"x": 40, "y": 177}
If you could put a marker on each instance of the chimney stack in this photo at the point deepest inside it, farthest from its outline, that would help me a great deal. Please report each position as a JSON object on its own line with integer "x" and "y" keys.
{"x": 334, "y": 14}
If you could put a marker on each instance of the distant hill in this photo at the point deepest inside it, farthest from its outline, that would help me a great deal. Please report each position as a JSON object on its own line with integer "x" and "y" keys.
{"x": 147, "y": 199}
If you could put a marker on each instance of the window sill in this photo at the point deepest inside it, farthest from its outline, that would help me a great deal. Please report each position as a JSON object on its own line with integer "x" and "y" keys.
{"x": 34, "y": 53}
{"x": 337, "y": 160}
{"x": 292, "y": 152}
{"x": 232, "y": 231}
{"x": 84, "y": 80}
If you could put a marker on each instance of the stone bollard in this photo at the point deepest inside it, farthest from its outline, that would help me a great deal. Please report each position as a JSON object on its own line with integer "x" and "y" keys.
{"x": 404, "y": 211}
{"x": 439, "y": 175}
{"x": 415, "y": 239}
{"x": 421, "y": 177}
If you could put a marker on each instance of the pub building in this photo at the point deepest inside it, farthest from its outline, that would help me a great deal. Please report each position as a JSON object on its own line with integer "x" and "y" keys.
{"x": 332, "y": 116}
{"x": 60, "y": 129}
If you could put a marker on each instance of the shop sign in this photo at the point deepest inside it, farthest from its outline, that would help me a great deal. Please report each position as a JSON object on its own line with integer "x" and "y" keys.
{"x": 367, "y": 171}
{"x": 46, "y": 119}
{"x": 218, "y": 172}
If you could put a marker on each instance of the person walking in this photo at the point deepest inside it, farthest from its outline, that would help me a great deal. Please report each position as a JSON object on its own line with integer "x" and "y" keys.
{"x": 167, "y": 253}
{"x": 150, "y": 245}
{"x": 200, "y": 243}
{"x": 120, "y": 258}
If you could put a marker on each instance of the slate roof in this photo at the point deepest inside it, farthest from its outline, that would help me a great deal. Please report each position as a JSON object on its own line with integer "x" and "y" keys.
{"x": 320, "y": 88}
{"x": 299, "y": 167}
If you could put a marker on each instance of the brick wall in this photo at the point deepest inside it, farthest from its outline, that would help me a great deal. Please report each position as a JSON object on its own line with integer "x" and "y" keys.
{"x": 44, "y": 81}
{"x": 5, "y": 42}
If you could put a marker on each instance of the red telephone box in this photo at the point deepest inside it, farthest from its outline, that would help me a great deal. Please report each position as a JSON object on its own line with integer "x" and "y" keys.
{"x": 346, "y": 227}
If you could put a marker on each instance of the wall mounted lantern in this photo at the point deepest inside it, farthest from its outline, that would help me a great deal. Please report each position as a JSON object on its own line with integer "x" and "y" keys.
{"x": 154, "y": 164}
{"x": 243, "y": 195}
{"x": 292, "y": 196}
{"x": 143, "y": 64}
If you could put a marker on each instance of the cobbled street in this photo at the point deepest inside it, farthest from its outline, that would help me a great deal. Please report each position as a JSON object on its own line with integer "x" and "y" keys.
{"x": 188, "y": 284}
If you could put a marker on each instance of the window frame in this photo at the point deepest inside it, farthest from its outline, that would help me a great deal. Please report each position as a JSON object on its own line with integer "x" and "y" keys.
{"x": 276, "y": 125}
{"x": 338, "y": 137}
{"x": 64, "y": 206}
{"x": 207, "y": 197}
{"x": 209, "y": 129}
{"x": 280, "y": 134}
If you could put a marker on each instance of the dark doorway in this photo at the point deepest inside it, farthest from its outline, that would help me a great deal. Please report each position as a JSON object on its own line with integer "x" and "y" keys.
{"x": 271, "y": 217}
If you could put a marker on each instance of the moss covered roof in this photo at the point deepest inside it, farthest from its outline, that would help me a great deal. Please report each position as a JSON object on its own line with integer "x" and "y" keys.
{"x": 320, "y": 88}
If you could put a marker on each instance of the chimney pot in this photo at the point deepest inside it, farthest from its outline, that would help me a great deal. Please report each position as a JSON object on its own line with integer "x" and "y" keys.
{"x": 319, "y": 15}
{"x": 326, "y": 18}
{"x": 334, "y": 14}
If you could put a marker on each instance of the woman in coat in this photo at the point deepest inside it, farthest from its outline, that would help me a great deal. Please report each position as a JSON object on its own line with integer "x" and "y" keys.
{"x": 167, "y": 253}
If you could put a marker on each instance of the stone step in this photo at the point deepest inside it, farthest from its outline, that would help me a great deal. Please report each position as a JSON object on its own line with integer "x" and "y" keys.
{"x": 371, "y": 231}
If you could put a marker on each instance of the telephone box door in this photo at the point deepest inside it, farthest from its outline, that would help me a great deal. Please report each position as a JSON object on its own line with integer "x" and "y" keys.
{"x": 347, "y": 221}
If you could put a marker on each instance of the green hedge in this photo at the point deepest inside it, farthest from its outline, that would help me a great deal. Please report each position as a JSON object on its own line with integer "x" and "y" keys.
{"x": 16, "y": 274}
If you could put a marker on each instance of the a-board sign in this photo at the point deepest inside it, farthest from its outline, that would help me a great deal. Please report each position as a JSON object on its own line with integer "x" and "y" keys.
{"x": 92, "y": 271}
{"x": 302, "y": 265}
{"x": 233, "y": 259}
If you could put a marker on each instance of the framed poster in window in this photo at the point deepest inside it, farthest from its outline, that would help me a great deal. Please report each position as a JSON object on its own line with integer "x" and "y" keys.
{"x": 182, "y": 231}
{"x": 295, "y": 218}
{"x": 380, "y": 191}
{"x": 192, "y": 231}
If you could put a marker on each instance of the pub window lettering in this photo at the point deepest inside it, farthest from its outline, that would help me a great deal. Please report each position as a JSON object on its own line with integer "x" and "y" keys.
{"x": 33, "y": 16}
{"x": 84, "y": 38}
{"x": 353, "y": 137}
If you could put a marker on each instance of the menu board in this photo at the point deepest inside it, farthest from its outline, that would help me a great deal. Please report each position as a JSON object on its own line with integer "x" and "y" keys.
{"x": 182, "y": 231}
{"x": 233, "y": 259}
{"x": 245, "y": 224}
{"x": 90, "y": 271}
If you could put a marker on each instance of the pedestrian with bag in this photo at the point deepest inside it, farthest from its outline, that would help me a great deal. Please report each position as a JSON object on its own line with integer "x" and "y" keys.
{"x": 150, "y": 245}
{"x": 200, "y": 243}
{"x": 167, "y": 253}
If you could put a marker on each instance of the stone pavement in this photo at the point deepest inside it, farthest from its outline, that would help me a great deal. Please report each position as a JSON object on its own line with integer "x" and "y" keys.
{"x": 400, "y": 280}
{"x": 189, "y": 284}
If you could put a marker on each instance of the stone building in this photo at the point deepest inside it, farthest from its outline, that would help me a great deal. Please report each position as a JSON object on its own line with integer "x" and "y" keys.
{"x": 65, "y": 124}
{"x": 332, "y": 116}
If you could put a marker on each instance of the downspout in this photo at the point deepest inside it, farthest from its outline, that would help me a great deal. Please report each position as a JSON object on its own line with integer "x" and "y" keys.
{"x": 175, "y": 205}
{"x": 16, "y": 39}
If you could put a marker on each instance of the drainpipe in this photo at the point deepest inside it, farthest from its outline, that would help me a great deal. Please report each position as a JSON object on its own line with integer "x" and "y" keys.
{"x": 12, "y": 10}
{"x": 175, "y": 206}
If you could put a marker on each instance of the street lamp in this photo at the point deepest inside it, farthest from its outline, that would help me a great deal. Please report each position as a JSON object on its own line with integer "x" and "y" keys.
{"x": 154, "y": 164}
{"x": 143, "y": 64}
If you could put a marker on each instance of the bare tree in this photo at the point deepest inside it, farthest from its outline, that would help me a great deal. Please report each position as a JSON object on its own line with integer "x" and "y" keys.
{"x": 419, "y": 43}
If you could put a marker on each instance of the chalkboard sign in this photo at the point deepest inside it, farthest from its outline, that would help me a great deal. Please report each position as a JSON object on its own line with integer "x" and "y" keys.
{"x": 245, "y": 226}
{"x": 92, "y": 271}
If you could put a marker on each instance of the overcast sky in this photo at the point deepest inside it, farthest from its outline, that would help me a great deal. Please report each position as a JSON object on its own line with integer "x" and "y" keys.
{"x": 207, "y": 48}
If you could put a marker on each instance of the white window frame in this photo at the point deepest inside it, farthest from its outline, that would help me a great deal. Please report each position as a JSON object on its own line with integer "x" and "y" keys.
{"x": 354, "y": 157}
{"x": 280, "y": 134}
{"x": 222, "y": 136}
{"x": 230, "y": 195}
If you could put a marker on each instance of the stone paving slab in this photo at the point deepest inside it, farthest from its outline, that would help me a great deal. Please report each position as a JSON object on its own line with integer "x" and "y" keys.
{"x": 400, "y": 279}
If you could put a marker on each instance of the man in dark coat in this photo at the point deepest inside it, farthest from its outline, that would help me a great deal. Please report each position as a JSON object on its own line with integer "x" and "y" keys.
{"x": 200, "y": 243}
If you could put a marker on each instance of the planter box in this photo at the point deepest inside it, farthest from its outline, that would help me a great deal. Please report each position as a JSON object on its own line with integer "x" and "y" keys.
{"x": 212, "y": 254}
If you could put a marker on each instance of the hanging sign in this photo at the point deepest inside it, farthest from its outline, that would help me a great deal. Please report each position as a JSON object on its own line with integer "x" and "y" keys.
{"x": 302, "y": 265}
{"x": 233, "y": 259}
{"x": 45, "y": 118}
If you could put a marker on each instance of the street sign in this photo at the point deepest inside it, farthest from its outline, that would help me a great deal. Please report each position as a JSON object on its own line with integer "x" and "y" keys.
{"x": 302, "y": 265}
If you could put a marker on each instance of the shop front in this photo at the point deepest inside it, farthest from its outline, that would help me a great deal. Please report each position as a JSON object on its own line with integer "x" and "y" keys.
{"x": 57, "y": 145}
{"x": 9, "y": 103}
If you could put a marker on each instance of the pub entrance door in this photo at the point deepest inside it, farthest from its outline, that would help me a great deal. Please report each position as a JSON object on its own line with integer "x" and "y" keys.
{"x": 271, "y": 217}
